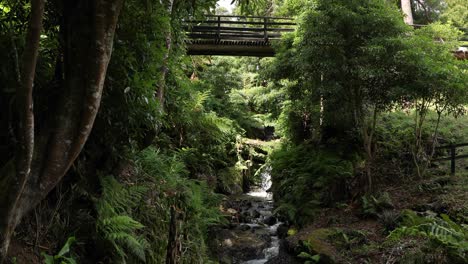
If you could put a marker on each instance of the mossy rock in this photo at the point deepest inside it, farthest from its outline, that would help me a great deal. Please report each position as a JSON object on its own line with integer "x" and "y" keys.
{"x": 317, "y": 244}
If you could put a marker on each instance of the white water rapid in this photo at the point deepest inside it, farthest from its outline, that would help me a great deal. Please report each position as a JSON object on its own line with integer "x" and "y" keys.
{"x": 264, "y": 207}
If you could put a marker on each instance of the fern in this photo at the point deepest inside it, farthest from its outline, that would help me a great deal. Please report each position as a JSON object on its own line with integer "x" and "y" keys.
{"x": 114, "y": 222}
{"x": 442, "y": 231}
{"x": 301, "y": 175}
{"x": 196, "y": 204}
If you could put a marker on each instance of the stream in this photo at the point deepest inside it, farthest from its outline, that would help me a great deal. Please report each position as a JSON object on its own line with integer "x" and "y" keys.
{"x": 252, "y": 236}
{"x": 264, "y": 206}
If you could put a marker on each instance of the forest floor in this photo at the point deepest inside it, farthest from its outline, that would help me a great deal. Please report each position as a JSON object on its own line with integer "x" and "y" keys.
{"x": 346, "y": 234}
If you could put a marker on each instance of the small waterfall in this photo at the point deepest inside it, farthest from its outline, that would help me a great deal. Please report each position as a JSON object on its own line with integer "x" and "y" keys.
{"x": 261, "y": 191}
{"x": 265, "y": 208}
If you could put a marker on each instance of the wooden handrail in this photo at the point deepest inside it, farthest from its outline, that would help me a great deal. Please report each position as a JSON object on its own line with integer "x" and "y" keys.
{"x": 245, "y": 17}
{"x": 211, "y": 28}
{"x": 240, "y": 22}
{"x": 453, "y": 155}
{"x": 452, "y": 145}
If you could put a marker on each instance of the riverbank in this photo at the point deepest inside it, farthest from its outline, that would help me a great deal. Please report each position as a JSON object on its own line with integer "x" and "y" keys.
{"x": 391, "y": 228}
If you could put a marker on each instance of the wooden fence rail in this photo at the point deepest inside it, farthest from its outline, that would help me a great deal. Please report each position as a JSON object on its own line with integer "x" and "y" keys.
{"x": 453, "y": 155}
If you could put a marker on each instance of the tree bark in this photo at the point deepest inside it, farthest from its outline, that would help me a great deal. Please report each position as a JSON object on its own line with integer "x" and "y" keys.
{"x": 406, "y": 8}
{"x": 165, "y": 69}
{"x": 89, "y": 31}
{"x": 173, "y": 243}
{"x": 25, "y": 129}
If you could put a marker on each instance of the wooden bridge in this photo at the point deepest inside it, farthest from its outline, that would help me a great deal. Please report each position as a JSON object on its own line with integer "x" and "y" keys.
{"x": 236, "y": 35}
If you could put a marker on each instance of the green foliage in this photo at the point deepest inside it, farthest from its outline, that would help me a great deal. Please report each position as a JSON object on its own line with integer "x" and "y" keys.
{"x": 308, "y": 258}
{"x": 389, "y": 219}
{"x": 301, "y": 174}
{"x": 166, "y": 176}
{"x": 347, "y": 238}
{"x": 239, "y": 92}
{"x": 133, "y": 213}
{"x": 373, "y": 205}
{"x": 61, "y": 257}
{"x": 336, "y": 72}
{"x": 115, "y": 223}
{"x": 443, "y": 232}
{"x": 456, "y": 13}
{"x": 345, "y": 83}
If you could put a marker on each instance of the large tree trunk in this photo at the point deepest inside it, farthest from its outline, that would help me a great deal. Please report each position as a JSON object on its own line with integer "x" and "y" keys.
{"x": 88, "y": 33}
{"x": 406, "y": 8}
{"x": 25, "y": 130}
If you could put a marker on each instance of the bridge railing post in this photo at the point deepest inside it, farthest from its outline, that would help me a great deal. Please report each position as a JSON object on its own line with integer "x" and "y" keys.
{"x": 218, "y": 33}
{"x": 265, "y": 29}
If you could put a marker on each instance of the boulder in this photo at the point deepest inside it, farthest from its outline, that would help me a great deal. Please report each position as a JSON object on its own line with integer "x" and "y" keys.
{"x": 282, "y": 231}
{"x": 255, "y": 214}
{"x": 271, "y": 220}
{"x": 317, "y": 244}
{"x": 236, "y": 246}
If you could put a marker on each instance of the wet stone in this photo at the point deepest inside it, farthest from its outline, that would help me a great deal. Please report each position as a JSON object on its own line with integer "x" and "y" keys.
{"x": 252, "y": 238}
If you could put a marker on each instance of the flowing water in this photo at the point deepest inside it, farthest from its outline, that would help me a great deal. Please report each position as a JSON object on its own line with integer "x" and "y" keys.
{"x": 264, "y": 221}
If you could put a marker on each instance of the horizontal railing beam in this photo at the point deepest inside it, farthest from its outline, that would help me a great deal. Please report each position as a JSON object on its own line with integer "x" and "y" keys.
{"x": 450, "y": 158}
{"x": 256, "y": 17}
{"x": 452, "y": 145}
{"x": 240, "y": 22}
{"x": 213, "y": 28}
{"x": 228, "y": 36}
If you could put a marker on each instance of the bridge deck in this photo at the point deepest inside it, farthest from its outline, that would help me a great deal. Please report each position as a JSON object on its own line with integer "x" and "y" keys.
{"x": 236, "y": 35}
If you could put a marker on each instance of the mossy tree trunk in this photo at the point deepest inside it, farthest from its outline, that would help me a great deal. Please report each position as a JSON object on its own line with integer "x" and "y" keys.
{"x": 88, "y": 31}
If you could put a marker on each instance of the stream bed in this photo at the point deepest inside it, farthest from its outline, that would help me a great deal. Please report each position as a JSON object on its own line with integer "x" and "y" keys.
{"x": 252, "y": 236}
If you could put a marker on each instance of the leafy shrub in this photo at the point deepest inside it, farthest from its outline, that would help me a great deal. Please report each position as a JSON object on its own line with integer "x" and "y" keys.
{"x": 133, "y": 214}
{"x": 389, "y": 219}
{"x": 167, "y": 179}
{"x": 442, "y": 232}
{"x": 300, "y": 176}
{"x": 61, "y": 256}
{"x": 348, "y": 238}
{"x": 372, "y": 205}
{"x": 115, "y": 224}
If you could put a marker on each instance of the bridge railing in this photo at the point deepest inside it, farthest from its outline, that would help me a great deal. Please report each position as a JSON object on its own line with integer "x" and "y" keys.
{"x": 249, "y": 28}
{"x": 453, "y": 155}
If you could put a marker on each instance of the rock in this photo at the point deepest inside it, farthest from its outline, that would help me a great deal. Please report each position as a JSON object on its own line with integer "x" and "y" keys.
{"x": 317, "y": 244}
{"x": 282, "y": 231}
{"x": 245, "y": 217}
{"x": 231, "y": 211}
{"x": 235, "y": 246}
{"x": 271, "y": 220}
{"x": 227, "y": 243}
{"x": 263, "y": 234}
{"x": 231, "y": 189}
{"x": 244, "y": 227}
{"x": 255, "y": 214}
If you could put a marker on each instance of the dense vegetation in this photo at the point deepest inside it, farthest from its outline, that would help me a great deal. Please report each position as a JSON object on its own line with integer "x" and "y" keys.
{"x": 352, "y": 107}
